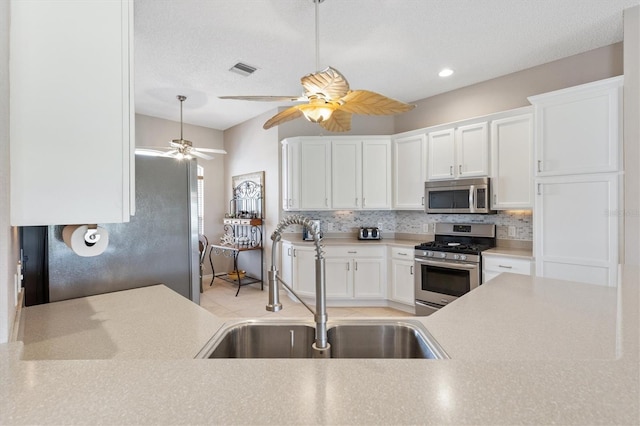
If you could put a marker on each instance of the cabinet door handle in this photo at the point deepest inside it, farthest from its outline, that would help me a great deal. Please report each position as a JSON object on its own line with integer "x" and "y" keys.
{"x": 355, "y": 266}
{"x": 505, "y": 266}
{"x": 423, "y": 201}
{"x": 451, "y": 170}
{"x": 539, "y": 166}
{"x": 363, "y": 202}
{"x": 460, "y": 169}
{"x": 294, "y": 252}
{"x": 326, "y": 202}
{"x": 539, "y": 189}
{"x": 289, "y": 251}
{"x": 348, "y": 267}
{"x": 495, "y": 198}
{"x": 411, "y": 270}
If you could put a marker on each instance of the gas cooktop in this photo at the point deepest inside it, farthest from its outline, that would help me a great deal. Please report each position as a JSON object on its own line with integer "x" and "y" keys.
{"x": 453, "y": 247}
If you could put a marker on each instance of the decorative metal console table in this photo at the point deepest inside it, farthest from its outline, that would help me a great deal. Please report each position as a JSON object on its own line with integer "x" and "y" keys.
{"x": 242, "y": 228}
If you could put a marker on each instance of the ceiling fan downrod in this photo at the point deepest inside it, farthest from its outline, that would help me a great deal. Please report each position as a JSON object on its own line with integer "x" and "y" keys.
{"x": 317, "y": 3}
{"x": 183, "y": 98}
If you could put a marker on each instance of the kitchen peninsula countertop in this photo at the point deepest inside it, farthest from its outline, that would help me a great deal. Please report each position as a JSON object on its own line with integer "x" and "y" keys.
{"x": 524, "y": 350}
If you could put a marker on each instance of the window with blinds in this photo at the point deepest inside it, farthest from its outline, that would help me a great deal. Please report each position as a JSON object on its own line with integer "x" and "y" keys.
{"x": 200, "y": 200}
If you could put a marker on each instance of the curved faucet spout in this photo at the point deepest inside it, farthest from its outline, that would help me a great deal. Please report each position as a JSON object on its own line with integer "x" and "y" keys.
{"x": 321, "y": 345}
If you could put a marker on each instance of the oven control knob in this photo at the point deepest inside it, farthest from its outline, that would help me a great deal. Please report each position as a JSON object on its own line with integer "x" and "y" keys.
{"x": 429, "y": 254}
{"x": 456, "y": 257}
{"x": 443, "y": 255}
{"x": 463, "y": 257}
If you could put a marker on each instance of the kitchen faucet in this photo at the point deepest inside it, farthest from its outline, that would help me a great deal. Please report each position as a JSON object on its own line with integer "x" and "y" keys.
{"x": 321, "y": 347}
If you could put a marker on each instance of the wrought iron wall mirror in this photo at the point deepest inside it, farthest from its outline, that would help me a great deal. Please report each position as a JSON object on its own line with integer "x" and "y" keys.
{"x": 248, "y": 196}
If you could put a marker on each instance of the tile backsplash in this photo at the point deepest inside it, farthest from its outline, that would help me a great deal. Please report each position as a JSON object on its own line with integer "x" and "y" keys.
{"x": 412, "y": 222}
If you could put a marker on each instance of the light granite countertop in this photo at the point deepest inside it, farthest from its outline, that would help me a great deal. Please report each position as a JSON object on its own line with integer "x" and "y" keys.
{"x": 518, "y": 253}
{"x": 524, "y": 351}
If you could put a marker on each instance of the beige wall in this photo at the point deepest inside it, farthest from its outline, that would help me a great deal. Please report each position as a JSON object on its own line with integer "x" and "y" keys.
{"x": 151, "y": 131}
{"x": 9, "y": 246}
{"x": 253, "y": 149}
{"x": 511, "y": 91}
{"x": 632, "y": 135}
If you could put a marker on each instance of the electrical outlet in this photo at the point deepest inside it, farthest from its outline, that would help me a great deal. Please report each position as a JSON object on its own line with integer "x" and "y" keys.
{"x": 511, "y": 232}
{"x": 425, "y": 227}
{"x": 380, "y": 226}
{"x": 330, "y": 226}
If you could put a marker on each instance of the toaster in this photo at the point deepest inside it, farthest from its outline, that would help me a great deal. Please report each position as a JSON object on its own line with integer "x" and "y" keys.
{"x": 369, "y": 233}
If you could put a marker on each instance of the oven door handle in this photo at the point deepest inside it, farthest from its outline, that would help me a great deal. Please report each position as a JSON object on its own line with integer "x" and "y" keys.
{"x": 452, "y": 265}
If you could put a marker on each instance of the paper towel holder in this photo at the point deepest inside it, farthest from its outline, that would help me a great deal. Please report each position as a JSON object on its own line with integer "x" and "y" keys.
{"x": 91, "y": 236}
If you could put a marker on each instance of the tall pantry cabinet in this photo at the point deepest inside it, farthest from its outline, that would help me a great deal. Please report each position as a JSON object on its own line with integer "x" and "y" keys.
{"x": 578, "y": 181}
{"x": 72, "y": 115}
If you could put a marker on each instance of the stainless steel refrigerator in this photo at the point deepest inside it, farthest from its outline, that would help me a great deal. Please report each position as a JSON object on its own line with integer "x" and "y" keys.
{"x": 158, "y": 245}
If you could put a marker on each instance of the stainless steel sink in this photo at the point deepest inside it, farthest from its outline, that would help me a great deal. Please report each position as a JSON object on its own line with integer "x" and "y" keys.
{"x": 348, "y": 339}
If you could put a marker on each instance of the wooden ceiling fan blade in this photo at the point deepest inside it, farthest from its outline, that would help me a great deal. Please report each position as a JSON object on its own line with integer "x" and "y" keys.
{"x": 215, "y": 151}
{"x": 328, "y": 82}
{"x": 267, "y": 98}
{"x": 340, "y": 121}
{"x": 372, "y": 103}
{"x": 287, "y": 115}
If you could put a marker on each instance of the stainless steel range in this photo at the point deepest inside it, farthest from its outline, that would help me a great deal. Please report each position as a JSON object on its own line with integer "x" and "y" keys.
{"x": 451, "y": 265}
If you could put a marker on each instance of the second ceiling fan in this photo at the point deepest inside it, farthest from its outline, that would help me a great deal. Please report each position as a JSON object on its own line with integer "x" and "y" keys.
{"x": 329, "y": 100}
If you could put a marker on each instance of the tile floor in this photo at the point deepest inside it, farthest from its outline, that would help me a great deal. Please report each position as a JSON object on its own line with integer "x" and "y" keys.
{"x": 220, "y": 300}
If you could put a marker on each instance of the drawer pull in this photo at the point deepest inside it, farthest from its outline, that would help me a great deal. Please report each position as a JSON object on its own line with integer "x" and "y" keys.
{"x": 352, "y": 252}
{"x": 402, "y": 254}
{"x": 505, "y": 266}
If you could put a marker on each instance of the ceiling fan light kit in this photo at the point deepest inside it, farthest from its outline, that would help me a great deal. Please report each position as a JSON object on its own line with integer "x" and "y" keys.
{"x": 330, "y": 101}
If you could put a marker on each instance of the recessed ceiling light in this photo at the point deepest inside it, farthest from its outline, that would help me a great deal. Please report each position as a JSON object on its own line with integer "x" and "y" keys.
{"x": 446, "y": 72}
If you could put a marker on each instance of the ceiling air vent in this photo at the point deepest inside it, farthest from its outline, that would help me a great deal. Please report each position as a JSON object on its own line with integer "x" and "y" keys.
{"x": 243, "y": 69}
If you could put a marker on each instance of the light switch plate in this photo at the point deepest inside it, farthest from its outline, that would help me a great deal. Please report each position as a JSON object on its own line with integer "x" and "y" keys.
{"x": 511, "y": 231}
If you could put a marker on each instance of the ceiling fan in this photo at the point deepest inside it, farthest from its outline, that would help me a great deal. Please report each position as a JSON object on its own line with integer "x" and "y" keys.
{"x": 330, "y": 101}
{"x": 179, "y": 148}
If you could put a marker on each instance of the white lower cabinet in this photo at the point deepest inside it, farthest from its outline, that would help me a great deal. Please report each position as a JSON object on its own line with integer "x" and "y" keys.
{"x": 351, "y": 272}
{"x": 304, "y": 270}
{"x": 494, "y": 265}
{"x": 401, "y": 286}
{"x": 354, "y": 272}
{"x": 286, "y": 263}
{"x": 576, "y": 225}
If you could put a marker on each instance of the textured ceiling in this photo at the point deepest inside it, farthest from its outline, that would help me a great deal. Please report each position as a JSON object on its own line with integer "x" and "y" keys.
{"x": 393, "y": 47}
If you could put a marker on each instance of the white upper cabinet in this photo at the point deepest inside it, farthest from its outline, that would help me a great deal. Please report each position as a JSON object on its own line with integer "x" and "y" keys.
{"x": 72, "y": 115}
{"x": 512, "y": 162}
{"x": 376, "y": 174}
{"x": 315, "y": 175}
{"x": 409, "y": 172}
{"x": 336, "y": 173}
{"x": 441, "y": 155}
{"x": 460, "y": 152}
{"x": 346, "y": 174}
{"x": 361, "y": 173}
{"x": 290, "y": 174}
{"x": 578, "y": 129}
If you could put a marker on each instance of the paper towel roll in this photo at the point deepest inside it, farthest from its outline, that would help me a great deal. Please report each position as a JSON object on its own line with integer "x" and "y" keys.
{"x": 73, "y": 237}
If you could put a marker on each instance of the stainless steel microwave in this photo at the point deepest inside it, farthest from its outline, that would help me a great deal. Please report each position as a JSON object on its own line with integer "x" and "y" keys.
{"x": 458, "y": 196}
